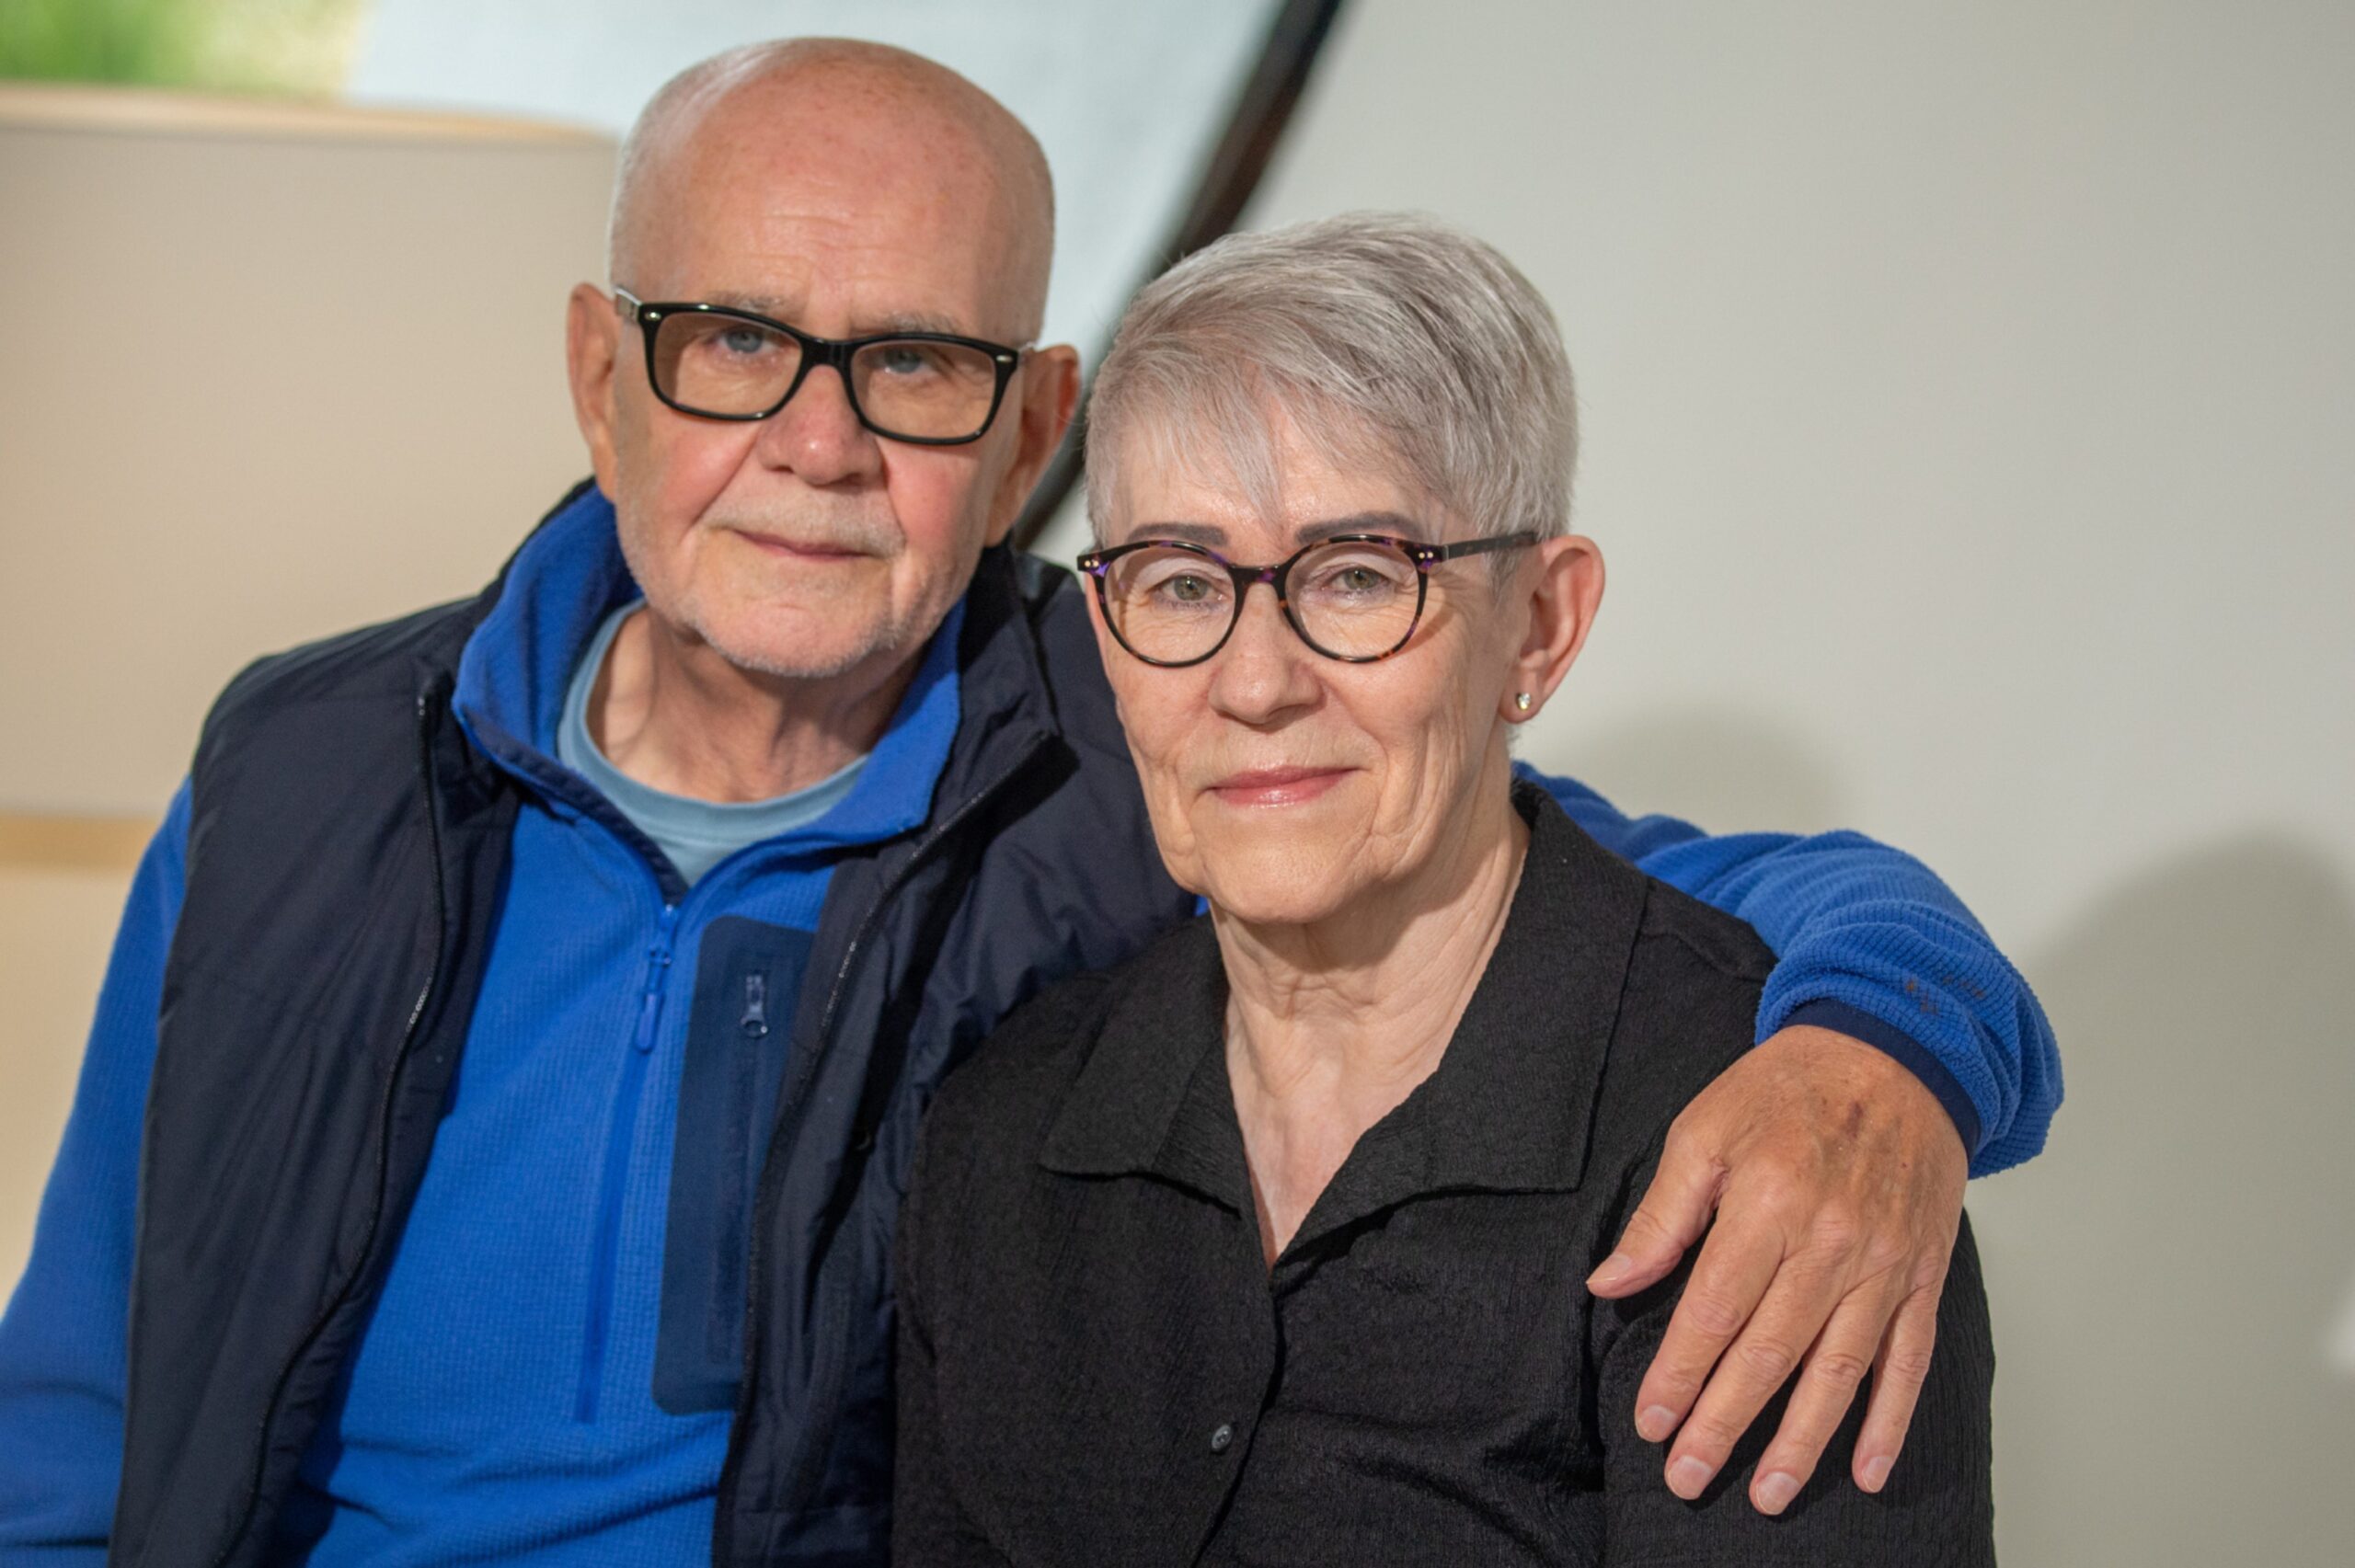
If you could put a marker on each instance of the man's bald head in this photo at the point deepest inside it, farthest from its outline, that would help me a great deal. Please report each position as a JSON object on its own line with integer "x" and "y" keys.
{"x": 847, "y": 82}
{"x": 850, "y": 192}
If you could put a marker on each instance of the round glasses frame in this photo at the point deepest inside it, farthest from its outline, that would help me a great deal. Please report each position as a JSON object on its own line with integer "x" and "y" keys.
{"x": 648, "y": 317}
{"x": 1097, "y": 564}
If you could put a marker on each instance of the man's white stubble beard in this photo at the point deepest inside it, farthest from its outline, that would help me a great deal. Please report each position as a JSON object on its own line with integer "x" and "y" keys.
{"x": 888, "y": 633}
{"x": 894, "y": 635}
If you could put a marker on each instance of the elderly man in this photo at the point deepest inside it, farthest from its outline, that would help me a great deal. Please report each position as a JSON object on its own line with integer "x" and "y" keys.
{"x": 490, "y": 1139}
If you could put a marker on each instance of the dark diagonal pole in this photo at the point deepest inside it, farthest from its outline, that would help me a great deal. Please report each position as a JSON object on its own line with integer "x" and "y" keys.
{"x": 1261, "y": 112}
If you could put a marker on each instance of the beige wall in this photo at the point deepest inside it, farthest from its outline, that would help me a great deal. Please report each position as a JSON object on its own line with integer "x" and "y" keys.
{"x": 270, "y": 374}
{"x": 1968, "y": 394}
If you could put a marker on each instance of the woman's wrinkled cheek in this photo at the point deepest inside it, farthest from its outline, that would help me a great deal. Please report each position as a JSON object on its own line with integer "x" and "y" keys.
{"x": 1446, "y": 745}
{"x": 1159, "y": 743}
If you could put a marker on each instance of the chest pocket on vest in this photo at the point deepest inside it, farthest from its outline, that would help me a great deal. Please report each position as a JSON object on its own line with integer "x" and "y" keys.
{"x": 748, "y": 979}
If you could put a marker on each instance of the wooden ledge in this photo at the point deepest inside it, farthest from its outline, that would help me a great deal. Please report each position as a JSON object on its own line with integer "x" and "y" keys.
{"x": 33, "y": 842}
{"x": 145, "y": 111}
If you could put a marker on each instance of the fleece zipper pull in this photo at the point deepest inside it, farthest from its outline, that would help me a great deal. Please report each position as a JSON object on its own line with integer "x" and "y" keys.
{"x": 658, "y": 965}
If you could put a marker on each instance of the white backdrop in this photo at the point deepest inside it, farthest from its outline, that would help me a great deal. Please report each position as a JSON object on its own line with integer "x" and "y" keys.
{"x": 1967, "y": 396}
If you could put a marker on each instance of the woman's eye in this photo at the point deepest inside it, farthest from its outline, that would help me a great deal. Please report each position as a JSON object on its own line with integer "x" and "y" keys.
{"x": 1356, "y": 581}
{"x": 1178, "y": 588}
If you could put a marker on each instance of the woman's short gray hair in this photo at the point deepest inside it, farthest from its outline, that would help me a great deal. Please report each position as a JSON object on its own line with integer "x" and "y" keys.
{"x": 1387, "y": 338}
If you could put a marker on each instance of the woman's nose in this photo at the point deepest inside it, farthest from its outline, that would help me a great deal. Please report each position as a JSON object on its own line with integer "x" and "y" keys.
{"x": 1264, "y": 670}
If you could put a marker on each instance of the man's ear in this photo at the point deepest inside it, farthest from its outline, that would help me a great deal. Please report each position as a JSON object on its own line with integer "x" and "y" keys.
{"x": 1565, "y": 589}
{"x": 1049, "y": 389}
{"x": 591, "y": 340}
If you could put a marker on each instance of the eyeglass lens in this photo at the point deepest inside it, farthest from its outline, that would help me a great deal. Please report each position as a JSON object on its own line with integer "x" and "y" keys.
{"x": 1350, "y": 599}
{"x": 718, "y": 364}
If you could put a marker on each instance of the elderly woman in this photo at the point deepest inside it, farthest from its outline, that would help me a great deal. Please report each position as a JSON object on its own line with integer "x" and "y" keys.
{"x": 1267, "y": 1247}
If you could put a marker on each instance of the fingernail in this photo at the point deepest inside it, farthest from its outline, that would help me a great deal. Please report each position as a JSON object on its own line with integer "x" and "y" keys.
{"x": 1875, "y": 1475}
{"x": 1654, "y": 1423}
{"x": 1616, "y": 1267}
{"x": 1775, "y": 1491}
{"x": 1688, "y": 1475}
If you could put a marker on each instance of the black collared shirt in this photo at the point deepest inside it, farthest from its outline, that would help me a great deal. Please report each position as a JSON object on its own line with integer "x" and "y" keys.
{"x": 1098, "y": 1368}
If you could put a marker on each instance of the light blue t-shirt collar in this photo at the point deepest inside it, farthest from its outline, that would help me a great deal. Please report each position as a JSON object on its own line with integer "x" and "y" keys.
{"x": 695, "y": 834}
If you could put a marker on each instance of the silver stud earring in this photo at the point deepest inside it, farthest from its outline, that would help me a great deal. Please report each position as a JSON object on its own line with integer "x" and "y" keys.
{"x": 1521, "y": 700}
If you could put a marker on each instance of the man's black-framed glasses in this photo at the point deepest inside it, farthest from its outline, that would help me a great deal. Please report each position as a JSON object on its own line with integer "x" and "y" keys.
{"x": 717, "y": 362}
{"x": 1355, "y": 596}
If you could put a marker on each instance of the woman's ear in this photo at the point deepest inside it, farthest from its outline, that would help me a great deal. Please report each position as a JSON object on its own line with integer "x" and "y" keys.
{"x": 1565, "y": 588}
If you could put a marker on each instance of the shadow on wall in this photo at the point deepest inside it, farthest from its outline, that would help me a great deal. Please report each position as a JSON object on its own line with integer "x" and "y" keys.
{"x": 2174, "y": 1280}
{"x": 2170, "y": 1274}
{"x": 1711, "y": 765}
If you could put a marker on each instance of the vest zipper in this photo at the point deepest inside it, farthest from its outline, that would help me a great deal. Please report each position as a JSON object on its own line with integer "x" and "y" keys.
{"x": 803, "y": 1460}
{"x": 755, "y": 1021}
{"x": 426, "y": 708}
{"x": 612, "y": 1184}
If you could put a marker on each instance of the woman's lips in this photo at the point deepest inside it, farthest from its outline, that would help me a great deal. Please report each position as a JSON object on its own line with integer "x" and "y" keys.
{"x": 1276, "y": 787}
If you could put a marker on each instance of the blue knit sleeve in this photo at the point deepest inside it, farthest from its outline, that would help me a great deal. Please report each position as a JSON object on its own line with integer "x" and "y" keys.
{"x": 62, "y": 1342}
{"x": 1870, "y": 943}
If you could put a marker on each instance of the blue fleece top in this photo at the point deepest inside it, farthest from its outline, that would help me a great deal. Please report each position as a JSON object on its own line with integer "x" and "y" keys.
{"x": 546, "y": 1379}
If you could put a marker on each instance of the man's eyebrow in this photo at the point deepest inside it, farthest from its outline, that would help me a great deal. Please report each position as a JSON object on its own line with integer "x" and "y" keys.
{"x": 759, "y": 305}
{"x": 780, "y": 309}
{"x": 913, "y": 321}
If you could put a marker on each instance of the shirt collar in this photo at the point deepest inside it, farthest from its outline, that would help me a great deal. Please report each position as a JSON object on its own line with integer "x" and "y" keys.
{"x": 1509, "y": 1109}
{"x": 517, "y": 666}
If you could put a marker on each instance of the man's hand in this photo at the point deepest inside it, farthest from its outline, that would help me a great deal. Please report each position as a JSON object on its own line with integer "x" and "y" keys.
{"x": 1837, "y": 1181}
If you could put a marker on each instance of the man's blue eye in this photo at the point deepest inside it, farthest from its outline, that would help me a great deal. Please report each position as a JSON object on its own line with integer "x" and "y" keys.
{"x": 903, "y": 358}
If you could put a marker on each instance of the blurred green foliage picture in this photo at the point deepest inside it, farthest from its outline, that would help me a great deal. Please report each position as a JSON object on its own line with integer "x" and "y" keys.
{"x": 277, "y": 48}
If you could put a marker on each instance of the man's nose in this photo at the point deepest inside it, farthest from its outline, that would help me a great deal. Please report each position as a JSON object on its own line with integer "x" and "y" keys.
{"x": 817, "y": 434}
{"x": 1265, "y": 670}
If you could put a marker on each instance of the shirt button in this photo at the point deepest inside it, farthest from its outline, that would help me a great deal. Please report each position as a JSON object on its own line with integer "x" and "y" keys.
{"x": 1222, "y": 1439}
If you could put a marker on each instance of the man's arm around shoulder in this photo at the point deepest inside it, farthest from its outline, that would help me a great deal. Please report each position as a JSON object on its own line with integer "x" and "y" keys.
{"x": 1870, "y": 943}
{"x": 1896, "y": 1049}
